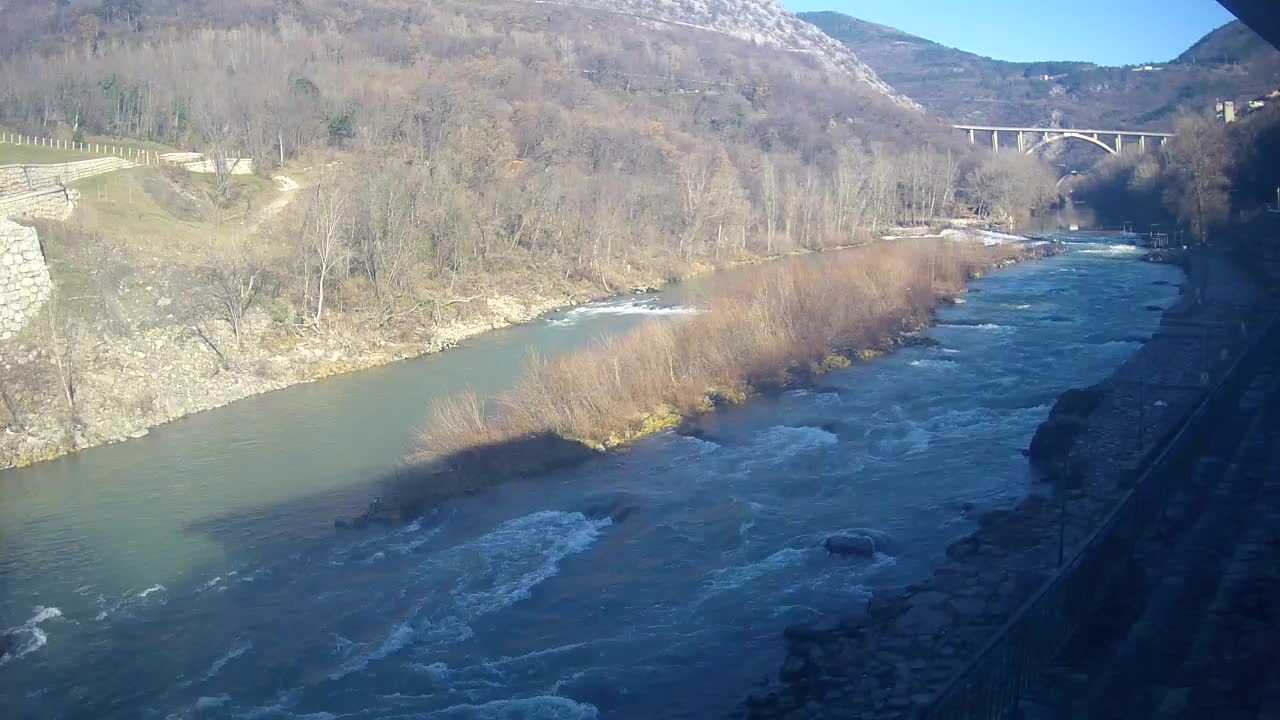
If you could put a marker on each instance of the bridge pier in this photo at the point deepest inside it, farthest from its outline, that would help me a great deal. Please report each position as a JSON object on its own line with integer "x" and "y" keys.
{"x": 1119, "y": 144}
{"x": 1022, "y": 145}
{"x": 1142, "y": 143}
{"x": 971, "y": 138}
{"x": 995, "y": 141}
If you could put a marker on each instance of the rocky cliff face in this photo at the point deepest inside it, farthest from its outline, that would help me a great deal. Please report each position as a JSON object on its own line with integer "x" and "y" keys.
{"x": 764, "y": 22}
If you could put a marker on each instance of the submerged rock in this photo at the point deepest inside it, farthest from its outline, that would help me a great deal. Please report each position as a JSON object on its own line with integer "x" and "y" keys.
{"x": 6, "y": 644}
{"x": 918, "y": 340}
{"x": 856, "y": 545}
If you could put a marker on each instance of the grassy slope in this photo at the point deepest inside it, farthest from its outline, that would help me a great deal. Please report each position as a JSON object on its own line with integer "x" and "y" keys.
{"x": 163, "y": 213}
{"x": 33, "y": 155}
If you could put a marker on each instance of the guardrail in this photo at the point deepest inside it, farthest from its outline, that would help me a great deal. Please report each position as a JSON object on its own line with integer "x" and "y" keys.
{"x": 991, "y": 685}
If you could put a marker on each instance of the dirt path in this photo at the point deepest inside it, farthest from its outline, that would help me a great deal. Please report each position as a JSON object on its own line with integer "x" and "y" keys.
{"x": 288, "y": 188}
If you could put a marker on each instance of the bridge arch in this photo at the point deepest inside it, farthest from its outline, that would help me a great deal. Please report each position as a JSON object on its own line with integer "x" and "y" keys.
{"x": 1073, "y": 136}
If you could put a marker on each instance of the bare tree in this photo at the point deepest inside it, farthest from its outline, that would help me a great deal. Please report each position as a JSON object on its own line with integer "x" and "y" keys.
{"x": 326, "y": 245}
{"x": 1199, "y": 157}
{"x": 61, "y": 341}
{"x": 235, "y": 278}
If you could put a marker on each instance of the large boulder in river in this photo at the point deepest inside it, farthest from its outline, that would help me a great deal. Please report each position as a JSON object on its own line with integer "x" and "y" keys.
{"x": 1053, "y": 439}
{"x": 1078, "y": 402}
{"x": 6, "y": 644}
{"x": 1067, "y": 419}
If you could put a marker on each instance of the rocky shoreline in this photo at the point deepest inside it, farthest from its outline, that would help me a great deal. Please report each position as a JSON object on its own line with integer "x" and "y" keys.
{"x": 893, "y": 657}
{"x": 167, "y": 373}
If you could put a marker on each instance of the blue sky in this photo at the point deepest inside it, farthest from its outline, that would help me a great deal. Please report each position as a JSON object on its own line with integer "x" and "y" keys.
{"x": 1109, "y": 32}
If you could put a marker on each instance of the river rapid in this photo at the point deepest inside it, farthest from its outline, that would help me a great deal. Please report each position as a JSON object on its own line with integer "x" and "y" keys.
{"x": 195, "y": 573}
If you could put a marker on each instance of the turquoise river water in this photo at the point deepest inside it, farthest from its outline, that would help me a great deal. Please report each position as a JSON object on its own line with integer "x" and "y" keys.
{"x": 196, "y": 573}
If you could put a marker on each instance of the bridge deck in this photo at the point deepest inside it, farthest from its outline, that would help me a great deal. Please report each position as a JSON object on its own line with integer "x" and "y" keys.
{"x": 1058, "y": 131}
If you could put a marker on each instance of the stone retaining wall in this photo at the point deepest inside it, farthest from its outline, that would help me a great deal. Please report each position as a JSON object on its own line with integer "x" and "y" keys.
{"x": 197, "y": 163}
{"x": 55, "y": 203}
{"x": 24, "y": 278}
{"x": 16, "y": 179}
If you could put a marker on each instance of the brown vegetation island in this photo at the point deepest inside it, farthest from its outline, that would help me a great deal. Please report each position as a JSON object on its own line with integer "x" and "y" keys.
{"x": 779, "y": 326}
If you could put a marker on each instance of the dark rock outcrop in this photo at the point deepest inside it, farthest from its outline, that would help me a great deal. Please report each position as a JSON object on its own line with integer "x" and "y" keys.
{"x": 1067, "y": 419}
{"x": 1080, "y": 402}
{"x": 1053, "y": 439}
{"x": 7, "y": 644}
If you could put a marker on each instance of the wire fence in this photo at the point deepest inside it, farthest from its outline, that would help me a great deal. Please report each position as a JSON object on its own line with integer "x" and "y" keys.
{"x": 139, "y": 155}
{"x": 991, "y": 686}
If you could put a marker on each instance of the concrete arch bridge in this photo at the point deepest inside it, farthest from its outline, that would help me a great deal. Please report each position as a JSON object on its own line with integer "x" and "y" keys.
{"x": 1031, "y": 139}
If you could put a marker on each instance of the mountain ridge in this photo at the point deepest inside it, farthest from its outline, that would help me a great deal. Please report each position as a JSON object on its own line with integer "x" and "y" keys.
{"x": 765, "y": 22}
{"x": 1230, "y": 63}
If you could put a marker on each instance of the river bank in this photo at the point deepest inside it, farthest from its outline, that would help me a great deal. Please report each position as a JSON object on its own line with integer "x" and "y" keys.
{"x": 773, "y": 330}
{"x": 891, "y": 657}
{"x": 125, "y": 384}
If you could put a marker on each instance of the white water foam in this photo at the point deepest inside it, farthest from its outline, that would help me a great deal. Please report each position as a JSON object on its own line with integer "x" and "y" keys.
{"x": 540, "y": 707}
{"x": 894, "y": 434}
{"x": 732, "y": 578}
{"x": 639, "y": 306}
{"x": 241, "y": 647}
{"x": 126, "y": 602}
{"x": 206, "y": 703}
{"x": 278, "y": 712}
{"x": 986, "y": 237}
{"x": 497, "y": 570}
{"x": 152, "y": 589}
{"x": 1113, "y": 250}
{"x": 783, "y": 441}
{"x": 933, "y": 364}
{"x": 209, "y": 585}
{"x": 980, "y": 326}
{"x": 34, "y": 637}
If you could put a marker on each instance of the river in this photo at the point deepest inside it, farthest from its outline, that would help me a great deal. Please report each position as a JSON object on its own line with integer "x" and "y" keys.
{"x": 195, "y": 573}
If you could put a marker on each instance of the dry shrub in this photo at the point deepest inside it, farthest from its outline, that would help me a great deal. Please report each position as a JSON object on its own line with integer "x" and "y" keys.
{"x": 774, "y": 321}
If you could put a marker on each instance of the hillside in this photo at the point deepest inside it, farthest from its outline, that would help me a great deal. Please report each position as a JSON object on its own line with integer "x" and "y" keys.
{"x": 463, "y": 165}
{"x": 1231, "y": 44}
{"x": 764, "y": 22}
{"x": 1230, "y": 63}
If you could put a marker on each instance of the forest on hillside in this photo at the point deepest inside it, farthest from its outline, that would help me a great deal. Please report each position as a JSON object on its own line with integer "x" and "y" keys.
{"x": 479, "y": 138}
